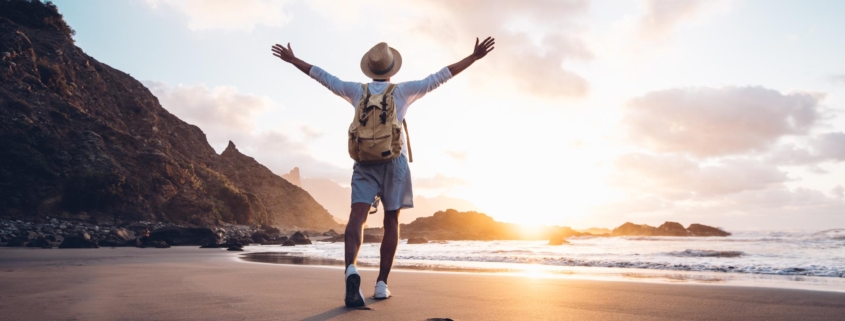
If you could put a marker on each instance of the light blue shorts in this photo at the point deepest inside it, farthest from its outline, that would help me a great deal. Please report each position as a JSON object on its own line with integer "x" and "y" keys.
{"x": 389, "y": 182}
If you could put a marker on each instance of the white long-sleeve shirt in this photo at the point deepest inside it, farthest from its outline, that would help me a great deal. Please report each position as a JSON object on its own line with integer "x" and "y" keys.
{"x": 404, "y": 94}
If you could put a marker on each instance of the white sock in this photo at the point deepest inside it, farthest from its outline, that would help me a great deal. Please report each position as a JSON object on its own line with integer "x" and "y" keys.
{"x": 351, "y": 270}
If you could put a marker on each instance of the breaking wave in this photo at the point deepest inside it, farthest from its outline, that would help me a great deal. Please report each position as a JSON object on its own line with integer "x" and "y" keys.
{"x": 706, "y": 253}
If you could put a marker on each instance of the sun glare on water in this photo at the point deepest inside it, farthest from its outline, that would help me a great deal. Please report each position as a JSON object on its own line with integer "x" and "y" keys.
{"x": 534, "y": 271}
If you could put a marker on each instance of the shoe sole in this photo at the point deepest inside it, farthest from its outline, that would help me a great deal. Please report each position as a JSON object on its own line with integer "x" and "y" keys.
{"x": 380, "y": 298}
{"x": 353, "y": 291}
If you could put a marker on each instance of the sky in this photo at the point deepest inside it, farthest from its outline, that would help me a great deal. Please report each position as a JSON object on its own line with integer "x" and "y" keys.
{"x": 587, "y": 113}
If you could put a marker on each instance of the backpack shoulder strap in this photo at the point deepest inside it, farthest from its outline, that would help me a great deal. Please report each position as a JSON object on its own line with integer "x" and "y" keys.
{"x": 366, "y": 96}
{"x": 408, "y": 141}
{"x": 390, "y": 88}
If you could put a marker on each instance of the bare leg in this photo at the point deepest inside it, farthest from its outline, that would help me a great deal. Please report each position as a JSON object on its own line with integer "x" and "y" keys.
{"x": 388, "y": 244}
{"x": 355, "y": 231}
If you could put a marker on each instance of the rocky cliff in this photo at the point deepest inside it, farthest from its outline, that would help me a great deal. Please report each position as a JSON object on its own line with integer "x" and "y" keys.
{"x": 82, "y": 140}
{"x": 293, "y": 177}
{"x": 286, "y": 201}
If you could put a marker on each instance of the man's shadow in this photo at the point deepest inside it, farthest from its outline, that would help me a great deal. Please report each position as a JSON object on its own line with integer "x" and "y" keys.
{"x": 342, "y": 310}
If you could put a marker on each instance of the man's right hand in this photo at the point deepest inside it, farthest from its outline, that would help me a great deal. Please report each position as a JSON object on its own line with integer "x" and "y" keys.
{"x": 483, "y": 48}
{"x": 286, "y": 54}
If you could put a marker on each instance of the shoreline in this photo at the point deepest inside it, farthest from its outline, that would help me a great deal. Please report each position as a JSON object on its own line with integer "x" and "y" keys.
{"x": 601, "y": 274}
{"x": 192, "y": 283}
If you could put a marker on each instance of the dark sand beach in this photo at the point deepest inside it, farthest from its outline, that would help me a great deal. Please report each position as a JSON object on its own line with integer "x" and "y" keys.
{"x": 187, "y": 283}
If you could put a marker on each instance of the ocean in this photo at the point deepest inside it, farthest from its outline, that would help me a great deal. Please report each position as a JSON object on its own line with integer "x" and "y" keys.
{"x": 813, "y": 260}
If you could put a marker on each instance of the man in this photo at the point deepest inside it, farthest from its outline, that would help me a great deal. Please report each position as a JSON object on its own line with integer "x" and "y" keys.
{"x": 389, "y": 182}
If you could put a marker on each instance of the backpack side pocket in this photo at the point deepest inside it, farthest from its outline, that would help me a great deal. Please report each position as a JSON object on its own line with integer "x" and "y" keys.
{"x": 354, "y": 142}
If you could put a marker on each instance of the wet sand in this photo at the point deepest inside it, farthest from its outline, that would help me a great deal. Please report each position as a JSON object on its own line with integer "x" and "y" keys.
{"x": 188, "y": 283}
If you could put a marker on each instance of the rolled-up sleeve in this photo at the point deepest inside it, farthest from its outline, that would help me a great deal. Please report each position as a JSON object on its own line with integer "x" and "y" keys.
{"x": 413, "y": 90}
{"x": 346, "y": 89}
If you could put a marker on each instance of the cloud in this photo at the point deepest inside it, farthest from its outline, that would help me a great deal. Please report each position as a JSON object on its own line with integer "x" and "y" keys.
{"x": 280, "y": 153}
{"x": 222, "y": 112}
{"x": 781, "y": 198}
{"x": 225, "y": 114}
{"x": 228, "y": 14}
{"x": 649, "y": 203}
{"x": 838, "y": 79}
{"x": 534, "y": 38}
{"x": 439, "y": 181}
{"x": 458, "y": 155}
{"x": 838, "y": 191}
{"x": 531, "y": 56}
{"x": 774, "y": 207}
{"x": 814, "y": 150}
{"x": 679, "y": 177}
{"x": 310, "y": 133}
{"x": 718, "y": 121}
{"x": 662, "y": 16}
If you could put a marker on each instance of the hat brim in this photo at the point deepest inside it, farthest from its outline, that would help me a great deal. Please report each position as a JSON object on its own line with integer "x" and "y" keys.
{"x": 397, "y": 63}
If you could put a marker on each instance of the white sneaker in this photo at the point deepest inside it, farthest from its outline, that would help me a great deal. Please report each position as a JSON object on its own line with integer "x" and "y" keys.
{"x": 354, "y": 295}
{"x": 381, "y": 292}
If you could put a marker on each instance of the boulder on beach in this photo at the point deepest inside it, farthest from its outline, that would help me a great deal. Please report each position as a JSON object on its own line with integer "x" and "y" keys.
{"x": 299, "y": 238}
{"x": 372, "y": 238}
{"x": 289, "y": 243}
{"x": 312, "y": 233}
{"x": 235, "y": 241}
{"x": 338, "y": 238}
{"x": 331, "y": 233}
{"x": 112, "y": 241}
{"x": 417, "y": 240}
{"x": 18, "y": 242}
{"x": 270, "y": 230}
{"x": 162, "y": 245}
{"x": 118, "y": 237}
{"x": 261, "y": 237}
{"x": 41, "y": 242}
{"x": 123, "y": 234}
{"x": 81, "y": 241}
{"x": 149, "y": 243}
{"x": 704, "y": 230}
{"x": 184, "y": 235}
{"x": 235, "y": 248}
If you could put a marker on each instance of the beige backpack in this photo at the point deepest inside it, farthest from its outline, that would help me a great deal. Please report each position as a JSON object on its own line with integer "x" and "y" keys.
{"x": 375, "y": 135}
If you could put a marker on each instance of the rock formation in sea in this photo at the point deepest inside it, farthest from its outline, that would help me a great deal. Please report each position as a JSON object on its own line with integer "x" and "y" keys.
{"x": 82, "y": 140}
{"x": 667, "y": 229}
{"x": 704, "y": 230}
{"x": 455, "y": 225}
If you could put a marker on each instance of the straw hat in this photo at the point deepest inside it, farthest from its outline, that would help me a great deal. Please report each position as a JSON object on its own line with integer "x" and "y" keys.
{"x": 381, "y": 62}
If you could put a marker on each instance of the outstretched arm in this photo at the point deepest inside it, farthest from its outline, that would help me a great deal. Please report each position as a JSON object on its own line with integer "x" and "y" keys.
{"x": 346, "y": 89}
{"x": 481, "y": 50}
{"x": 286, "y": 54}
{"x": 413, "y": 90}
